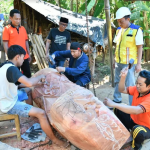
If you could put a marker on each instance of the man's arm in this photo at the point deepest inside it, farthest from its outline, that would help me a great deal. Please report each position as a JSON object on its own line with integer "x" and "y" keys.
{"x": 48, "y": 42}
{"x": 5, "y": 44}
{"x": 138, "y": 66}
{"x": 68, "y": 46}
{"x": 125, "y": 108}
{"x": 121, "y": 87}
{"x": 28, "y": 51}
{"x": 62, "y": 54}
{"x": 28, "y": 82}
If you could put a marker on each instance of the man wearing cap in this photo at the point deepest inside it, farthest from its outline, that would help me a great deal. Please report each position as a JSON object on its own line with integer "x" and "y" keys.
{"x": 78, "y": 70}
{"x": 60, "y": 40}
{"x": 129, "y": 41}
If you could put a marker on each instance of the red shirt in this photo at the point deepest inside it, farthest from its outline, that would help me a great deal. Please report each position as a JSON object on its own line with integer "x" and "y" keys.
{"x": 144, "y": 103}
{"x": 16, "y": 36}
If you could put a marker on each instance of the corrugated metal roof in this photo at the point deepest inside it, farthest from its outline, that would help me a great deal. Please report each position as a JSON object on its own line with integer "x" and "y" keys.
{"x": 77, "y": 22}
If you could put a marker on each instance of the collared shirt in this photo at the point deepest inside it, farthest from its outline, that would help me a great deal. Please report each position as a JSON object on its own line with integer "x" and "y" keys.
{"x": 16, "y": 36}
{"x": 142, "y": 101}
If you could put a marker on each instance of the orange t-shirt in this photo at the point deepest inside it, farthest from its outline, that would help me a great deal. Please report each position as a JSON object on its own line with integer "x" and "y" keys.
{"x": 144, "y": 103}
{"x": 16, "y": 37}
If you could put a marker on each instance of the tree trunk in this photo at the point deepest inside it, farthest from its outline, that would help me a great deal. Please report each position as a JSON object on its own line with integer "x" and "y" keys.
{"x": 25, "y": 16}
{"x": 147, "y": 52}
{"x": 58, "y": 3}
{"x": 71, "y": 5}
{"x": 77, "y": 6}
{"x": 91, "y": 13}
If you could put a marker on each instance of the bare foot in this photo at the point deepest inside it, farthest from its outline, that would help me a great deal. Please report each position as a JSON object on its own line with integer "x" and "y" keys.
{"x": 61, "y": 143}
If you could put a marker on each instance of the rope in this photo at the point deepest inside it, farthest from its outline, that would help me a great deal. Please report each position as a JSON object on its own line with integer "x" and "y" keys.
{"x": 90, "y": 60}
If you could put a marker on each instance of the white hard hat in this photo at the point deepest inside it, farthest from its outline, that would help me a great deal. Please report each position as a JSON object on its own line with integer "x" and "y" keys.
{"x": 122, "y": 11}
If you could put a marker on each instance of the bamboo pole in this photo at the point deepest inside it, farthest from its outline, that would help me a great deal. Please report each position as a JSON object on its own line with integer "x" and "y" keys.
{"x": 36, "y": 55}
{"x": 42, "y": 42}
{"x": 41, "y": 50}
{"x": 107, "y": 13}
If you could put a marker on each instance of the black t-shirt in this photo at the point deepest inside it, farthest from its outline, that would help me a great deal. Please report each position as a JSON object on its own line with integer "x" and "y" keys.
{"x": 13, "y": 74}
{"x": 59, "y": 40}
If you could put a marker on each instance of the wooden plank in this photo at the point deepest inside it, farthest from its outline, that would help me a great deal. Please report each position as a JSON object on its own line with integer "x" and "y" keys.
{"x": 4, "y": 117}
{"x": 8, "y": 134}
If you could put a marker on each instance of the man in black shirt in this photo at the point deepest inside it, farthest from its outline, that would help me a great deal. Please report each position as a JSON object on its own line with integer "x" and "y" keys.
{"x": 60, "y": 40}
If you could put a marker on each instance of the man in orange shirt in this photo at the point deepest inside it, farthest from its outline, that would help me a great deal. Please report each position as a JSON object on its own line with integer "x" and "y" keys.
{"x": 137, "y": 116}
{"x": 15, "y": 34}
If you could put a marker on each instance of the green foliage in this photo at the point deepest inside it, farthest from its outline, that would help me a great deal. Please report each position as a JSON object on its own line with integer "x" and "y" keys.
{"x": 5, "y": 7}
{"x": 99, "y": 8}
{"x": 89, "y": 6}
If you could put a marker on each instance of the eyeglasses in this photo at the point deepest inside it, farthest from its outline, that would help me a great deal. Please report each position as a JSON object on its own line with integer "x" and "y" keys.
{"x": 65, "y": 25}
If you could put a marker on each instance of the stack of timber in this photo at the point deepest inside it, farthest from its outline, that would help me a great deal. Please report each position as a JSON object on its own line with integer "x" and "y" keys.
{"x": 39, "y": 50}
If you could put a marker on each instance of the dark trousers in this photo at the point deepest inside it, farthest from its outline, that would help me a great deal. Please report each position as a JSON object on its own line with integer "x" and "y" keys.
{"x": 25, "y": 68}
{"x": 139, "y": 133}
{"x": 71, "y": 78}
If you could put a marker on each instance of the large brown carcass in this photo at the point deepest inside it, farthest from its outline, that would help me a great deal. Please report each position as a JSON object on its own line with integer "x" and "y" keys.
{"x": 78, "y": 115}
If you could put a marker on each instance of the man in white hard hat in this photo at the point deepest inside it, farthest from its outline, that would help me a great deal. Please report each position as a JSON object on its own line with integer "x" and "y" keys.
{"x": 129, "y": 41}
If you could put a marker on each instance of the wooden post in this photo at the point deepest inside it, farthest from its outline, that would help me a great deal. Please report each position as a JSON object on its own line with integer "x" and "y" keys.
{"x": 108, "y": 22}
{"x": 24, "y": 16}
{"x": 36, "y": 26}
{"x": 3, "y": 57}
{"x": 33, "y": 19}
{"x": 17, "y": 124}
{"x": 147, "y": 52}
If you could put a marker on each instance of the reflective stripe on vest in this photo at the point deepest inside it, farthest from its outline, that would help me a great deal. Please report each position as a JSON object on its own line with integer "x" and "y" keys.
{"x": 125, "y": 45}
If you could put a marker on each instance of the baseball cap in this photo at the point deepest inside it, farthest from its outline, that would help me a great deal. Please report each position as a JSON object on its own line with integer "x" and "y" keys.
{"x": 75, "y": 46}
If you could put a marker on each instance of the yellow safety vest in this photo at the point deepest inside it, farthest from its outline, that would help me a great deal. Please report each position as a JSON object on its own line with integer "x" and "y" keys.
{"x": 125, "y": 45}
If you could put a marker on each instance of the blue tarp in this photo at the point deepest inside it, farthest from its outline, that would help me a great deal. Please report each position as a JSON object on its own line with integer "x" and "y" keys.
{"x": 1, "y": 17}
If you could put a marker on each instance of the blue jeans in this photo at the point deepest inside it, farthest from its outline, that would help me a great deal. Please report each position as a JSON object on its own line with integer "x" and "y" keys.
{"x": 57, "y": 63}
{"x": 130, "y": 81}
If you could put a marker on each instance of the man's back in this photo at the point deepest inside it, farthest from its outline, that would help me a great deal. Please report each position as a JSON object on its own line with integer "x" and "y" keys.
{"x": 8, "y": 90}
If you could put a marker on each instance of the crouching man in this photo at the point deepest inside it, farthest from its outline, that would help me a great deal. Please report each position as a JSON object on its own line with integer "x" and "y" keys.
{"x": 137, "y": 116}
{"x": 10, "y": 99}
{"x": 78, "y": 70}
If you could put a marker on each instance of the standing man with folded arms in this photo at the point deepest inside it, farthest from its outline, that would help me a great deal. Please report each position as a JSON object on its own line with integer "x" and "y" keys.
{"x": 60, "y": 40}
{"x": 15, "y": 34}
